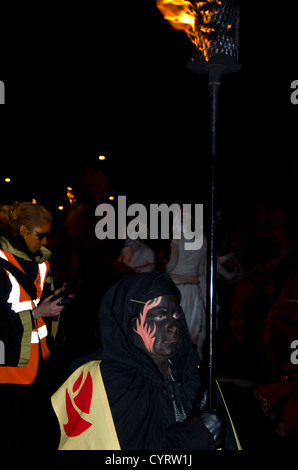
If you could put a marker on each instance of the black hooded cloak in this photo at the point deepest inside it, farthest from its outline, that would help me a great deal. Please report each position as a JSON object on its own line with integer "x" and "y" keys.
{"x": 138, "y": 395}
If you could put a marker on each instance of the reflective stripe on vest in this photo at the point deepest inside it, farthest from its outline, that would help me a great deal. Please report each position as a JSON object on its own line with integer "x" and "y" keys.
{"x": 34, "y": 337}
{"x": 16, "y": 297}
{"x": 39, "y": 334}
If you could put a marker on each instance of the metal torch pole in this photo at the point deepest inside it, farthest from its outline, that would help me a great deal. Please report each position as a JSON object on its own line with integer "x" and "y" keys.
{"x": 222, "y": 45}
{"x": 214, "y": 86}
{"x": 217, "y": 66}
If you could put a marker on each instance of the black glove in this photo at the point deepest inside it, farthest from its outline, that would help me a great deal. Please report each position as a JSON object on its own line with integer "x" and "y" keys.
{"x": 214, "y": 421}
{"x": 201, "y": 401}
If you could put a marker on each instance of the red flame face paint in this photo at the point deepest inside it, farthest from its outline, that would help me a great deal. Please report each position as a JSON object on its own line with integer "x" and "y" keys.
{"x": 143, "y": 330}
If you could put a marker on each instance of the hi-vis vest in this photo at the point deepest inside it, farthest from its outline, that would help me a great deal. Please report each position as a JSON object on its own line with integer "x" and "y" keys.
{"x": 34, "y": 331}
{"x": 83, "y": 411}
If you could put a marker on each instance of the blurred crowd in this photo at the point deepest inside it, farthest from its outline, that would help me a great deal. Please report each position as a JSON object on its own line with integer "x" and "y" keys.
{"x": 257, "y": 293}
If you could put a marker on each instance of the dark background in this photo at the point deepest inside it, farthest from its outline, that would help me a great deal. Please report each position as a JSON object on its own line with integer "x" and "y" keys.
{"x": 111, "y": 78}
{"x": 85, "y": 80}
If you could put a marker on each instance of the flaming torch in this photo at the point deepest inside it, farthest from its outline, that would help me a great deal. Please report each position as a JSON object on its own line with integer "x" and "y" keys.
{"x": 213, "y": 27}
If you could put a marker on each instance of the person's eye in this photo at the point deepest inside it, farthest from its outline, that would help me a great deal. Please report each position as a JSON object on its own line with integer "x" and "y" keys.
{"x": 176, "y": 315}
{"x": 160, "y": 316}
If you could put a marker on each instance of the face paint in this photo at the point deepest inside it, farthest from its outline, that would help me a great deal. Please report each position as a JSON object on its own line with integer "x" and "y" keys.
{"x": 158, "y": 327}
{"x": 143, "y": 330}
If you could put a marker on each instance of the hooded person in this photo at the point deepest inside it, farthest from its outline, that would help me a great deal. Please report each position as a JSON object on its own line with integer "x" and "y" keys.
{"x": 148, "y": 375}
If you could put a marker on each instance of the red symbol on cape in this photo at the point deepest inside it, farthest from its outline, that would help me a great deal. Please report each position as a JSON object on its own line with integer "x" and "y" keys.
{"x": 76, "y": 424}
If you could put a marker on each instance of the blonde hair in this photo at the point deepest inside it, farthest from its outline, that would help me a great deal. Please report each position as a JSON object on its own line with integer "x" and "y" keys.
{"x": 28, "y": 214}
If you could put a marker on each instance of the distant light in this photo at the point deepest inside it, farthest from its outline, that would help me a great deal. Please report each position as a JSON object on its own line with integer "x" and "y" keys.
{"x": 60, "y": 208}
{"x": 7, "y": 180}
{"x": 101, "y": 157}
{"x": 111, "y": 198}
{"x": 34, "y": 201}
{"x": 70, "y": 195}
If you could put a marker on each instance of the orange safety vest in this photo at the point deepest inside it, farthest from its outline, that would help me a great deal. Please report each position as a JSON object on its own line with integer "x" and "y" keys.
{"x": 34, "y": 339}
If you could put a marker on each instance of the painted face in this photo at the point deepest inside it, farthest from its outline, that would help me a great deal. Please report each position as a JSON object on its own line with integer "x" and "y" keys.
{"x": 36, "y": 238}
{"x": 158, "y": 327}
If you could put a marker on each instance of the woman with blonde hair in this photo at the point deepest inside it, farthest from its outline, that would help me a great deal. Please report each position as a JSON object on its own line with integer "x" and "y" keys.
{"x": 26, "y": 311}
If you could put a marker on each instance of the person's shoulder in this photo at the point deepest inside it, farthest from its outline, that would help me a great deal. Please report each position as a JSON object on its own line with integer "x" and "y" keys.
{"x": 45, "y": 255}
{"x": 118, "y": 378}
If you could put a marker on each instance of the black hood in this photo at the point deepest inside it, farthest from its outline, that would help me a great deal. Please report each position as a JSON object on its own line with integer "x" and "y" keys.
{"x": 124, "y": 301}
{"x": 136, "y": 390}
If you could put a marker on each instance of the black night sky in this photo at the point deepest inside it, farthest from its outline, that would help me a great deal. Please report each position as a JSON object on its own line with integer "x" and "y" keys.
{"x": 113, "y": 79}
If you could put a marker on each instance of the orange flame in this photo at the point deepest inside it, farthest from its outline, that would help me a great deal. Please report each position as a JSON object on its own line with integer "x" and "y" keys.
{"x": 193, "y": 18}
